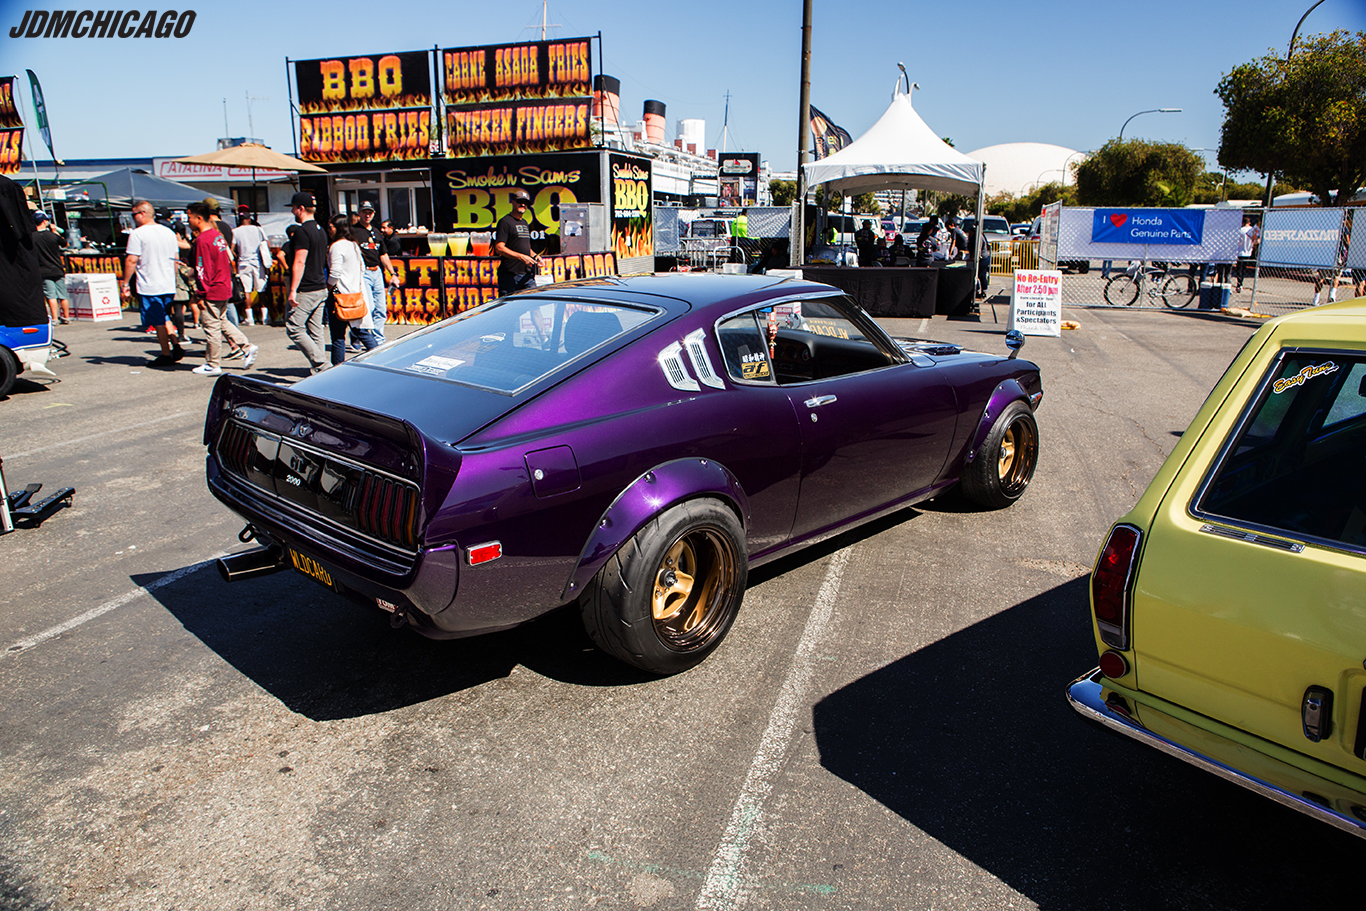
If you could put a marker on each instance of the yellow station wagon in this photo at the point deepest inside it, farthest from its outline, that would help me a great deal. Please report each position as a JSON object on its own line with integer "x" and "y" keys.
{"x": 1229, "y": 606}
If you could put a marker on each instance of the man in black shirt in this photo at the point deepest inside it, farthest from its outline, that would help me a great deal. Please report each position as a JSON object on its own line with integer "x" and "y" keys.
{"x": 512, "y": 243}
{"x": 305, "y": 257}
{"x": 50, "y": 267}
{"x": 379, "y": 271}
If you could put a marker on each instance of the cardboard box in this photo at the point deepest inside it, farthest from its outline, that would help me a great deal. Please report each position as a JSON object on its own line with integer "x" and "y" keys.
{"x": 94, "y": 297}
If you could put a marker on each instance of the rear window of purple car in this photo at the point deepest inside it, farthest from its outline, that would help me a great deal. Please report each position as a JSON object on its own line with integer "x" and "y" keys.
{"x": 1294, "y": 465}
{"x": 509, "y": 344}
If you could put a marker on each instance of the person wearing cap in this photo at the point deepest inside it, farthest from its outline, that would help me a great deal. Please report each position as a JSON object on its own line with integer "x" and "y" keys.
{"x": 49, "y": 247}
{"x": 378, "y": 271}
{"x": 304, "y": 256}
{"x": 512, "y": 243}
{"x": 221, "y": 226}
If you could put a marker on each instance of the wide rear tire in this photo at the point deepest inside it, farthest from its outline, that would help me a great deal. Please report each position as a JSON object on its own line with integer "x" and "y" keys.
{"x": 668, "y": 597}
{"x": 1005, "y": 464}
{"x": 9, "y": 371}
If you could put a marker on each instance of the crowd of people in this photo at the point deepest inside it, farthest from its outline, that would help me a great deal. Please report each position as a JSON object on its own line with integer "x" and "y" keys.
{"x": 938, "y": 241}
{"x": 200, "y": 273}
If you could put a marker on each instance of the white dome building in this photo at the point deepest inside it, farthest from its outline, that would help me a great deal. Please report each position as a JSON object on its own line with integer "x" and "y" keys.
{"x": 1017, "y": 167}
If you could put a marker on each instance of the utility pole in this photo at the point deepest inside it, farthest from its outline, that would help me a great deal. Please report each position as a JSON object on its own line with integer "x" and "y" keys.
{"x": 725, "y": 124}
{"x": 227, "y": 134}
{"x": 803, "y": 139}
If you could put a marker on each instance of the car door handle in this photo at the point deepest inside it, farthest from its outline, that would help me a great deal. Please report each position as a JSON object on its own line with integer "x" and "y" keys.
{"x": 820, "y": 400}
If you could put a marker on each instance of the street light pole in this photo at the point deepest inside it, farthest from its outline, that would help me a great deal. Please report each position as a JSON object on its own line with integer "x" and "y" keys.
{"x": 1271, "y": 175}
{"x": 803, "y": 139}
{"x": 1153, "y": 111}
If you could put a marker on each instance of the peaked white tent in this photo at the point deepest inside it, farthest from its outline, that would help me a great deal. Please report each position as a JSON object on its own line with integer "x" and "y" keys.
{"x": 899, "y": 152}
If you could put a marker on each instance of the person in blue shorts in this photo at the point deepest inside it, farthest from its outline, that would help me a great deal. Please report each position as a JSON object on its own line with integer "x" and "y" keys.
{"x": 151, "y": 256}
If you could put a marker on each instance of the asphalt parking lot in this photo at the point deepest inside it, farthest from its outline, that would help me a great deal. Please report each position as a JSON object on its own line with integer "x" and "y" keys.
{"x": 884, "y": 728}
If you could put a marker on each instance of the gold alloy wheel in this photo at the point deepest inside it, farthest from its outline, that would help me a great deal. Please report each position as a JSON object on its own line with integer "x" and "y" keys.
{"x": 692, "y": 586}
{"x": 1019, "y": 449}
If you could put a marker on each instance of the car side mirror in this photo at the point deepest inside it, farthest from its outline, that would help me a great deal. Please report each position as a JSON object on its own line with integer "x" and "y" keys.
{"x": 1015, "y": 340}
{"x": 1361, "y": 389}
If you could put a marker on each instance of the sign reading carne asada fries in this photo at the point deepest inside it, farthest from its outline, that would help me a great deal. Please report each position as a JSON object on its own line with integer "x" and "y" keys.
{"x": 511, "y": 72}
{"x": 369, "y": 108}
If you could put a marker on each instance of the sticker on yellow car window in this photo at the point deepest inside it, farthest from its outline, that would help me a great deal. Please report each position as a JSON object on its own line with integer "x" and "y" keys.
{"x": 1308, "y": 373}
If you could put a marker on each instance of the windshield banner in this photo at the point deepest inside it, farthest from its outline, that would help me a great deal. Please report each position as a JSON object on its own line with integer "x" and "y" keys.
{"x": 1148, "y": 226}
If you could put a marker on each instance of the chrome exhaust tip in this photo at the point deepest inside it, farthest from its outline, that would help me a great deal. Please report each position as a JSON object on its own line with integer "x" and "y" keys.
{"x": 261, "y": 561}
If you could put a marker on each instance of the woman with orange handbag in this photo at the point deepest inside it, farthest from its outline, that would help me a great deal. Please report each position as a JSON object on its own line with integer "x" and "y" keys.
{"x": 349, "y": 307}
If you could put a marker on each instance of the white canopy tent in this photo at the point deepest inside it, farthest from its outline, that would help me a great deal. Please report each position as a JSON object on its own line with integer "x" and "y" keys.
{"x": 901, "y": 152}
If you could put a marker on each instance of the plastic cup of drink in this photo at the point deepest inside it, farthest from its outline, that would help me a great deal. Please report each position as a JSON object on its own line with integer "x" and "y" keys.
{"x": 479, "y": 243}
{"x": 436, "y": 243}
{"x": 460, "y": 244}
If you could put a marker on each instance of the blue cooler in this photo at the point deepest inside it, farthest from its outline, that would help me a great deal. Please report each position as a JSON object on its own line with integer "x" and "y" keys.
{"x": 1214, "y": 296}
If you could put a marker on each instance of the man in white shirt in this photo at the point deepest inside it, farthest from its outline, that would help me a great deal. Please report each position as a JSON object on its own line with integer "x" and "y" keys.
{"x": 152, "y": 255}
{"x": 253, "y": 259}
{"x": 1249, "y": 234}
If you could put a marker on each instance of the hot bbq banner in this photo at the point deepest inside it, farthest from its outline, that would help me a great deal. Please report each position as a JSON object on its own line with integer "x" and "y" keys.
{"x": 434, "y": 288}
{"x": 11, "y": 128}
{"x": 518, "y": 127}
{"x": 507, "y": 72}
{"x": 632, "y": 230}
{"x": 371, "y": 108}
{"x": 475, "y": 194}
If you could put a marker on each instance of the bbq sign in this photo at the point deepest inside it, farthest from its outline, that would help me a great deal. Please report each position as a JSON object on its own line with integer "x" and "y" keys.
{"x": 470, "y": 195}
{"x": 11, "y": 128}
{"x": 372, "y": 108}
{"x": 538, "y": 69}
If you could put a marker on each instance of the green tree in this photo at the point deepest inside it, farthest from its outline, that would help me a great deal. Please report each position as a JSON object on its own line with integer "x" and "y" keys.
{"x": 1304, "y": 118}
{"x": 866, "y": 202}
{"x": 1135, "y": 172}
{"x": 1024, "y": 208}
{"x": 783, "y": 191}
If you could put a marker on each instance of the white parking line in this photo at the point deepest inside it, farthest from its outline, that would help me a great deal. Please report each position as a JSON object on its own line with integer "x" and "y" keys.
{"x": 24, "y": 645}
{"x": 94, "y": 436}
{"x": 723, "y": 889}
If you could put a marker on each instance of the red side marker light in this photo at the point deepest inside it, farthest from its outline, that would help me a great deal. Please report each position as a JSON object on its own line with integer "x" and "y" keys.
{"x": 483, "y": 553}
{"x": 1113, "y": 665}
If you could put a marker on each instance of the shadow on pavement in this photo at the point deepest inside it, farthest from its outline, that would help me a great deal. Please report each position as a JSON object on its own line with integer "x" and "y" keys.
{"x": 328, "y": 658}
{"x": 972, "y": 741}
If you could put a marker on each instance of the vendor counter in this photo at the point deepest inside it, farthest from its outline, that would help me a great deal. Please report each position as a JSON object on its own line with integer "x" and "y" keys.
{"x": 96, "y": 264}
{"x": 903, "y": 291}
{"x": 432, "y": 288}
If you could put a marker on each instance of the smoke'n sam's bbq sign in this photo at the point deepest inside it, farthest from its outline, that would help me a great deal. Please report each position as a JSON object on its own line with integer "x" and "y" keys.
{"x": 369, "y": 108}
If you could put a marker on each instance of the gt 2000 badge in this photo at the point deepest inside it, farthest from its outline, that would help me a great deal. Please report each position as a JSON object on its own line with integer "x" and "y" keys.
{"x": 1308, "y": 373}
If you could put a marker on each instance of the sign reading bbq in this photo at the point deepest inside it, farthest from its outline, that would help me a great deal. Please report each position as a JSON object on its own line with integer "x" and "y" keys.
{"x": 371, "y": 108}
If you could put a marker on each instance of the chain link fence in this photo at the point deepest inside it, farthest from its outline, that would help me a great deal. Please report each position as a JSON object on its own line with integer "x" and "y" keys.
{"x": 699, "y": 240}
{"x": 1300, "y": 257}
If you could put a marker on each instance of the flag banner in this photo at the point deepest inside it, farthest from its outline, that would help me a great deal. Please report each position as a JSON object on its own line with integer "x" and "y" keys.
{"x": 40, "y": 109}
{"x": 829, "y": 137}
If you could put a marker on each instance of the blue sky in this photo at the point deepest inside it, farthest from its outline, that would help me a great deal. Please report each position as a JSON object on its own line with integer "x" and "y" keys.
{"x": 1058, "y": 71}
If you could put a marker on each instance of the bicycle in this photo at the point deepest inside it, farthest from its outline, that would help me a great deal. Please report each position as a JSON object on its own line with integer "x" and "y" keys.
{"x": 1177, "y": 290}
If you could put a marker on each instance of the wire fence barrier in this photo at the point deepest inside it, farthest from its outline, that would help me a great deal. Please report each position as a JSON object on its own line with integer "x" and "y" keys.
{"x": 1266, "y": 262}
